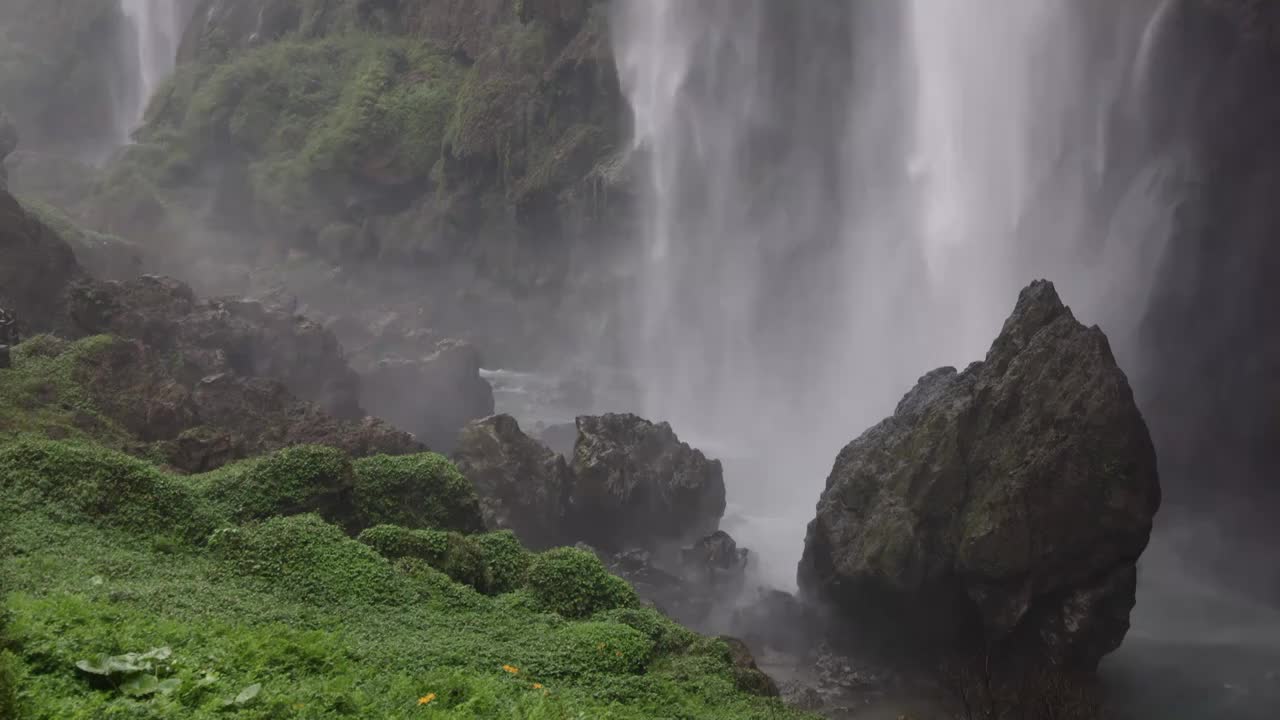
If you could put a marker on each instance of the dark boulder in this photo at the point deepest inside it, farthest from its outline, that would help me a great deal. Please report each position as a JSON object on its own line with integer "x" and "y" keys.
{"x": 1007, "y": 504}
{"x": 639, "y": 486}
{"x": 717, "y": 560}
{"x": 523, "y": 486}
{"x": 36, "y": 268}
{"x": 432, "y": 396}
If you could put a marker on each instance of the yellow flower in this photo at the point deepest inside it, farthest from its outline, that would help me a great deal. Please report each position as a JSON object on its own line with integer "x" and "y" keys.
{"x": 618, "y": 653}
{"x": 600, "y": 646}
{"x": 537, "y": 686}
{"x": 426, "y": 698}
{"x": 511, "y": 669}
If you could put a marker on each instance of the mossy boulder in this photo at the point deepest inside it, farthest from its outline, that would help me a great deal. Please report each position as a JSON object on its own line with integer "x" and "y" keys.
{"x": 452, "y": 553}
{"x": 293, "y": 481}
{"x": 305, "y": 557}
{"x": 575, "y": 584}
{"x": 1007, "y": 504}
{"x": 415, "y": 491}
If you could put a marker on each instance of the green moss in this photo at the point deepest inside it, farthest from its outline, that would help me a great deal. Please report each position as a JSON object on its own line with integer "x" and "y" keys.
{"x": 87, "y": 483}
{"x": 41, "y": 393}
{"x": 308, "y": 478}
{"x": 415, "y": 491}
{"x": 573, "y": 583}
{"x": 306, "y": 557}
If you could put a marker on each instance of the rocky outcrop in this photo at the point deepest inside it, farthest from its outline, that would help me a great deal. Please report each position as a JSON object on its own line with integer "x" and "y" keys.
{"x": 36, "y": 268}
{"x": 433, "y": 395}
{"x": 223, "y": 335}
{"x": 523, "y": 486}
{"x": 197, "y": 423}
{"x": 1006, "y": 503}
{"x": 639, "y": 486}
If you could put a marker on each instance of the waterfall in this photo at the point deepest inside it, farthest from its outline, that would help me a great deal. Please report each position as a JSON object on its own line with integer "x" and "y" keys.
{"x": 839, "y": 197}
{"x": 157, "y": 27}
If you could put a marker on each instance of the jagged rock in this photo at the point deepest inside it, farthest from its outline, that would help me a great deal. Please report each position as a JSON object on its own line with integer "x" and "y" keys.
{"x": 639, "y": 486}
{"x": 523, "y": 486}
{"x": 1007, "y": 503}
{"x": 202, "y": 424}
{"x": 433, "y": 396}
{"x": 222, "y": 335}
{"x": 717, "y": 559}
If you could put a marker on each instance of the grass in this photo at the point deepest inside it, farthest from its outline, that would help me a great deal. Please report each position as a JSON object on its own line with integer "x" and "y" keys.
{"x": 289, "y": 617}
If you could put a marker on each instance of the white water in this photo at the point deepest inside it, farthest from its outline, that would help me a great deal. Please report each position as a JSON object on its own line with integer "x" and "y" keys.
{"x": 818, "y": 235}
{"x": 157, "y": 27}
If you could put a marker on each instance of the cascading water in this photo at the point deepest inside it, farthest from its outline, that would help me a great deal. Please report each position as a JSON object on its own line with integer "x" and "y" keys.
{"x": 157, "y": 27}
{"x": 842, "y": 196}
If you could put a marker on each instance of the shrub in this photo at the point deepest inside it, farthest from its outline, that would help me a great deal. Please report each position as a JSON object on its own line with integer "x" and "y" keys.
{"x": 308, "y": 558}
{"x": 600, "y": 647}
{"x": 506, "y": 559}
{"x": 71, "y": 481}
{"x": 415, "y": 491}
{"x": 573, "y": 583}
{"x": 452, "y": 553}
{"x": 667, "y": 635}
{"x": 295, "y": 480}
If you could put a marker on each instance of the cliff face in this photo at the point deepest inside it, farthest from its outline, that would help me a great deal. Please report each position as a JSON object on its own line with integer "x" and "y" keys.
{"x": 1212, "y": 357}
{"x": 62, "y": 71}
{"x": 428, "y": 141}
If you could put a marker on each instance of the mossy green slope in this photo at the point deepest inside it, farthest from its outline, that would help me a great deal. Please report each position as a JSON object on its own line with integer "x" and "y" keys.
{"x": 290, "y": 617}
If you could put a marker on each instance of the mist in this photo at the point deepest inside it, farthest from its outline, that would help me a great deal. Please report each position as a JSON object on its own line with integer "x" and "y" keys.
{"x": 761, "y": 222}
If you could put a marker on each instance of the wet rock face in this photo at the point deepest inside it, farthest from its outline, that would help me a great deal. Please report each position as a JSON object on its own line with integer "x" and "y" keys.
{"x": 523, "y": 485}
{"x": 36, "y": 268}
{"x": 1008, "y": 502}
{"x": 639, "y": 486}
{"x": 243, "y": 337}
{"x": 432, "y": 395}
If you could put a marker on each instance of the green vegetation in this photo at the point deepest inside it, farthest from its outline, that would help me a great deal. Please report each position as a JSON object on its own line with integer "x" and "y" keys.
{"x": 415, "y": 491}
{"x": 135, "y": 593}
{"x": 574, "y": 583}
{"x": 294, "y": 480}
{"x": 43, "y": 393}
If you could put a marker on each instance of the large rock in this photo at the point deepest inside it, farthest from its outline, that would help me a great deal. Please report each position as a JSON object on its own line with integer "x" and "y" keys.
{"x": 639, "y": 486}
{"x": 36, "y": 268}
{"x": 523, "y": 485}
{"x": 1008, "y": 503}
{"x": 223, "y": 335}
{"x": 433, "y": 396}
